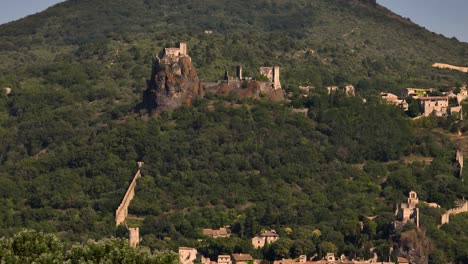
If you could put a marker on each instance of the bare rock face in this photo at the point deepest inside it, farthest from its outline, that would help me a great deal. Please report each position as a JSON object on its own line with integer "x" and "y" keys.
{"x": 173, "y": 83}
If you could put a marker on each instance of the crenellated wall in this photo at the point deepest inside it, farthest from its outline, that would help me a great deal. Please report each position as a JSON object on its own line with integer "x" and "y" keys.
{"x": 122, "y": 211}
{"x": 457, "y": 210}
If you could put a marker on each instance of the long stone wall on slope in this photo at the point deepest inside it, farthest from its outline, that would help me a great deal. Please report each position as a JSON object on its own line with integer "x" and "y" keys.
{"x": 122, "y": 211}
{"x": 451, "y": 67}
{"x": 458, "y": 210}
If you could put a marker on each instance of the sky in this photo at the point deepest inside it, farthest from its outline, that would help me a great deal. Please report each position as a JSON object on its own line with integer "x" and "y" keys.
{"x": 11, "y": 10}
{"x": 447, "y": 17}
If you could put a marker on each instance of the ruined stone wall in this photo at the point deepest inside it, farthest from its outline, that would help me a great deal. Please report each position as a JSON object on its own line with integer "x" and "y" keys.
{"x": 458, "y": 210}
{"x": 451, "y": 67}
{"x": 122, "y": 211}
{"x": 134, "y": 236}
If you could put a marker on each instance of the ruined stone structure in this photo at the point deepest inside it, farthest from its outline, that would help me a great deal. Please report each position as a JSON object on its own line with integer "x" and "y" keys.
{"x": 174, "y": 81}
{"x": 457, "y": 210}
{"x": 348, "y": 90}
{"x": 393, "y": 99}
{"x": 273, "y": 75}
{"x": 266, "y": 237}
{"x": 174, "y": 53}
{"x": 122, "y": 211}
{"x": 241, "y": 258}
{"x": 437, "y": 105}
{"x": 408, "y": 212}
{"x": 216, "y": 233}
{"x": 451, "y": 67}
{"x": 246, "y": 87}
{"x": 459, "y": 159}
{"x": 134, "y": 236}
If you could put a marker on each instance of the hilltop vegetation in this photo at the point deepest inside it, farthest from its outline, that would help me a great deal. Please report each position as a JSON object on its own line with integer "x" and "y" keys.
{"x": 69, "y": 138}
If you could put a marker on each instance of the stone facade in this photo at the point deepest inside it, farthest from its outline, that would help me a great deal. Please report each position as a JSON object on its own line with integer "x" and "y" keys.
{"x": 187, "y": 255}
{"x": 264, "y": 238}
{"x": 437, "y": 105}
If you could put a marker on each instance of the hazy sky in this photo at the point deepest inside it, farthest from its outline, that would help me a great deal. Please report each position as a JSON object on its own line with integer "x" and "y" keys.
{"x": 15, "y": 9}
{"x": 448, "y": 17}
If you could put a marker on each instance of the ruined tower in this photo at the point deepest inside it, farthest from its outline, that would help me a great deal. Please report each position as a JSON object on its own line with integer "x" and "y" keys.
{"x": 183, "y": 48}
{"x": 273, "y": 75}
{"x": 239, "y": 72}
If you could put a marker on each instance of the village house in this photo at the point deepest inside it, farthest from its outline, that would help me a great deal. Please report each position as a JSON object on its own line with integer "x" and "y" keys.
{"x": 187, "y": 255}
{"x": 393, "y": 99}
{"x": 437, "y": 105}
{"x": 224, "y": 259}
{"x": 408, "y": 212}
{"x": 216, "y": 233}
{"x": 262, "y": 239}
{"x": 241, "y": 258}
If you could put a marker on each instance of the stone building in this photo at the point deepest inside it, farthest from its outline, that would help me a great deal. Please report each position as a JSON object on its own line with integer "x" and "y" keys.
{"x": 241, "y": 258}
{"x": 408, "y": 212}
{"x": 216, "y": 233}
{"x": 187, "y": 255}
{"x": 266, "y": 237}
{"x": 224, "y": 259}
{"x": 437, "y": 105}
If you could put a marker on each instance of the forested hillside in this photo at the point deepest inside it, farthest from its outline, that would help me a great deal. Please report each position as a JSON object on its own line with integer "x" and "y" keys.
{"x": 70, "y": 138}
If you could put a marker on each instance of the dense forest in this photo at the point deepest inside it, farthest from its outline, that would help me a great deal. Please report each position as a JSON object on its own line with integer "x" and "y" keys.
{"x": 70, "y": 138}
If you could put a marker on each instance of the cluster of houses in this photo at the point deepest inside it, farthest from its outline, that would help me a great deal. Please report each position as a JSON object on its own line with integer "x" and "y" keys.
{"x": 189, "y": 255}
{"x": 429, "y": 105}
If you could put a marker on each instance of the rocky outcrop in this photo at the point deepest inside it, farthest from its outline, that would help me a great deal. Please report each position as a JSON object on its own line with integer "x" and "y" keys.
{"x": 173, "y": 83}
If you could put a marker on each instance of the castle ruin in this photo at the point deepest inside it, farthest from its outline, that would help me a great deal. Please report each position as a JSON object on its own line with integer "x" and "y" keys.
{"x": 408, "y": 212}
{"x": 273, "y": 75}
{"x": 122, "y": 211}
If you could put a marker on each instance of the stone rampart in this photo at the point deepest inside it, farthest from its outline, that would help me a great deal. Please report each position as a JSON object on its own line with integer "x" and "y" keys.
{"x": 451, "y": 67}
{"x": 457, "y": 210}
{"x": 122, "y": 211}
